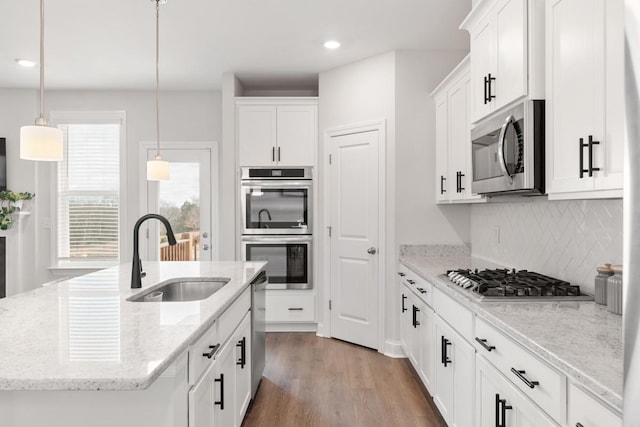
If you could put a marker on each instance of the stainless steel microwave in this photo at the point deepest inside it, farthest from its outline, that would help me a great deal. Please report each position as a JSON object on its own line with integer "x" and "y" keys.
{"x": 508, "y": 152}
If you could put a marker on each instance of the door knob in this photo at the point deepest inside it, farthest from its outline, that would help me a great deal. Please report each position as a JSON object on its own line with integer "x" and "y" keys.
{"x": 372, "y": 250}
{"x": 205, "y": 247}
{"x": 205, "y": 235}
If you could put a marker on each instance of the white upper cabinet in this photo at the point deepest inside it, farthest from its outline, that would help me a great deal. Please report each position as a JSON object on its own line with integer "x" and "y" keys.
{"x": 507, "y": 53}
{"x": 277, "y": 131}
{"x": 585, "y": 98}
{"x": 453, "y": 137}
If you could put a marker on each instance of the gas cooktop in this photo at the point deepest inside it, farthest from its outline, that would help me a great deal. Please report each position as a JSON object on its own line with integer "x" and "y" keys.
{"x": 503, "y": 284}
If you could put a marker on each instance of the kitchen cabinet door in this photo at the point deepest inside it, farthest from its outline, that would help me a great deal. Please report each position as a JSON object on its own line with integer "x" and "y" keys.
{"x": 483, "y": 46}
{"x": 415, "y": 308}
{"x": 427, "y": 347}
{"x": 511, "y": 52}
{"x": 243, "y": 343}
{"x": 201, "y": 408}
{"x": 443, "y": 184}
{"x": 586, "y": 411}
{"x": 405, "y": 318}
{"x": 256, "y": 134}
{"x": 224, "y": 387}
{"x": 500, "y": 404}
{"x": 585, "y": 98}
{"x": 297, "y": 133}
{"x": 454, "y": 376}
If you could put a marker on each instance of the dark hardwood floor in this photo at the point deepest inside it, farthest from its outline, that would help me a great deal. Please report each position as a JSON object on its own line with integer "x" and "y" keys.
{"x": 311, "y": 381}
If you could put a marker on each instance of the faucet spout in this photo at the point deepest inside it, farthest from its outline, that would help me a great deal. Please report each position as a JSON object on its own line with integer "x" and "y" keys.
{"x": 136, "y": 270}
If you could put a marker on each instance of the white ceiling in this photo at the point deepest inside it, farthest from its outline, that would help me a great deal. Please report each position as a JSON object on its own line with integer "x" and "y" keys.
{"x": 93, "y": 44}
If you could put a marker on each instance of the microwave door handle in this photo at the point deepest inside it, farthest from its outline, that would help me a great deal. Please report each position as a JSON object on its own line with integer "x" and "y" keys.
{"x": 501, "y": 138}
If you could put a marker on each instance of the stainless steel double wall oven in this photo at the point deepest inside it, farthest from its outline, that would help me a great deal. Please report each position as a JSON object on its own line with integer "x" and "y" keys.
{"x": 277, "y": 223}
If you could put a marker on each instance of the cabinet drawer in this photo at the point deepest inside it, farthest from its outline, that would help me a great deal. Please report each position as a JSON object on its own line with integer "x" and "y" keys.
{"x": 419, "y": 286}
{"x": 199, "y": 360}
{"x": 585, "y": 410}
{"x": 533, "y": 377}
{"x": 232, "y": 316}
{"x": 454, "y": 314}
{"x": 290, "y": 308}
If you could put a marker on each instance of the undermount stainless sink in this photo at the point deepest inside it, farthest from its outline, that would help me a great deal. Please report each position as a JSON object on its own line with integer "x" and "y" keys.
{"x": 176, "y": 290}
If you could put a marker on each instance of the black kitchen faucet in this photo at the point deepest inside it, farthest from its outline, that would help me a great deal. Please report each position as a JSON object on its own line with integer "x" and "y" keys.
{"x": 136, "y": 270}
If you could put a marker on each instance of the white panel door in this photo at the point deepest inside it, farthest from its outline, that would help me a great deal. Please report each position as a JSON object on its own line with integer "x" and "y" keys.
{"x": 224, "y": 387}
{"x": 575, "y": 90}
{"x": 511, "y": 65}
{"x": 354, "y": 242}
{"x": 459, "y": 143}
{"x": 256, "y": 134}
{"x": 427, "y": 346}
{"x": 201, "y": 410}
{"x": 297, "y": 133}
{"x": 405, "y": 318}
{"x": 242, "y": 338}
{"x": 483, "y": 46}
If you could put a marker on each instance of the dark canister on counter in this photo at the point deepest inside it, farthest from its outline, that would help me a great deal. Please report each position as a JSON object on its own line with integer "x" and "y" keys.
{"x": 601, "y": 283}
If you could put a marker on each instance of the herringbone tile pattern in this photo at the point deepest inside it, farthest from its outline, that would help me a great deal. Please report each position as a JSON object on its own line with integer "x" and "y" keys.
{"x": 563, "y": 239}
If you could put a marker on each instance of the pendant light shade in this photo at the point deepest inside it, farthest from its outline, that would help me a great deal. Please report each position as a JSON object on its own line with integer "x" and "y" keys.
{"x": 40, "y": 141}
{"x": 157, "y": 169}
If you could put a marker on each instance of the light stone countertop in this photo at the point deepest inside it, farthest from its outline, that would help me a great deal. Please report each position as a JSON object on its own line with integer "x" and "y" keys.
{"x": 82, "y": 334}
{"x": 581, "y": 339}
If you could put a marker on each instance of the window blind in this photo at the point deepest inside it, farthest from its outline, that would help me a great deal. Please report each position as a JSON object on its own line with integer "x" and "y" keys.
{"x": 89, "y": 192}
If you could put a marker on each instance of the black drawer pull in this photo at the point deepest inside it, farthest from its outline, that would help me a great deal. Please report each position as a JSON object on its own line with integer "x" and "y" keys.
{"x": 295, "y": 309}
{"x": 213, "y": 350}
{"x": 442, "y": 180}
{"x": 416, "y": 323}
{"x": 483, "y": 343}
{"x": 413, "y": 282}
{"x": 422, "y": 290}
{"x": 520, "y": 374}
{"x": 404, "y": 297}
{"x": 242, "y": 344}
{"x": 401, "y": 274}
{"x": 221, "y": 401}
{"x": 444, "y": 357}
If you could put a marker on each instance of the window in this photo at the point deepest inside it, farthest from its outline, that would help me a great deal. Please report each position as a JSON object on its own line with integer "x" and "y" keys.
{"x": 88, "y": 189}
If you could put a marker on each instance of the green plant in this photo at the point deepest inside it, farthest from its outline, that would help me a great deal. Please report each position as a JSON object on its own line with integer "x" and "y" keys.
{"x": 8, "y": 201}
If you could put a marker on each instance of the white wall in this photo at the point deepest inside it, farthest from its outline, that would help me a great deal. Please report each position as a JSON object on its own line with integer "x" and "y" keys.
{"x": 184, "y": 116}
{"x": 562, "y": 239}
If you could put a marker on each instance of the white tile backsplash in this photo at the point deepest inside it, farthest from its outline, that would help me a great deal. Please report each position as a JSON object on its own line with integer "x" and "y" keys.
{"x": 563, "y": 239}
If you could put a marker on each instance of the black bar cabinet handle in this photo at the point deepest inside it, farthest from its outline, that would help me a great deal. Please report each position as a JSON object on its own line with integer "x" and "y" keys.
{"x": 591, "y": 144}
{"x": 483, "y": 343}
{"x": 503, "y": 412}
{"x": 404, "y": 297}
{"x": 497, "y": 410}
{"x": 221, "y": 401}
{"x": 460, "y": 176}
{"x": 422, "y": 290}
{"x": 401, "y": 274}
{"x": 444, "y": 358}
{"x": 486, "y": 82}
{"x": 413, "y": 282}
{"x": 416, "y": 323}
{"x": 278, "y": 153}
{"x": 520, "y": 374}
{"x": 295, "y": 309}
{"x": 582, "y": 169}
{"x": 213, "y": 350}
{"x": 273, "y": 154}
{"x": 242, "y": 344}
{"x": 442, "y": 180}
{"x": 491, "y": 96}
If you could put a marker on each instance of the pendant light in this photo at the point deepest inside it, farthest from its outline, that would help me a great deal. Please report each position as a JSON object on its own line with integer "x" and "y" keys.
{"x": 157, "y": 169}
{"x": 41, "y": 141}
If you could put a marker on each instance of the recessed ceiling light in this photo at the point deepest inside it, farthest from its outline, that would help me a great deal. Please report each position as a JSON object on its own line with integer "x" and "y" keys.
{"x": 332, "y": 44}
{"x": 25, "y": 62}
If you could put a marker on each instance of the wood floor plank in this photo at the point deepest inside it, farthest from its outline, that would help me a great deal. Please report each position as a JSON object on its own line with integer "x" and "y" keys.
{"x": 311, "y": 381}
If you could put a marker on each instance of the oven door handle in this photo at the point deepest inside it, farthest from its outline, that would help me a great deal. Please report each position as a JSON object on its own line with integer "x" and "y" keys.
{"x": 278, "y": 183}
{"x": 277, "y": 239}
{"x": 503, "y": 134}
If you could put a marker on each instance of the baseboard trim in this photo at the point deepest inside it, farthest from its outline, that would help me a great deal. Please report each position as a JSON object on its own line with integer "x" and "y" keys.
{"x": 291, "y": 327}
{"x": 321, "y": 332}
{"x": 393, "y": 349}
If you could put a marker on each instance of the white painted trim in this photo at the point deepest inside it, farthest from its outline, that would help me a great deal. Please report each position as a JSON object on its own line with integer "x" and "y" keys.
{"x": 143, "y": 201}
{"x": 276, "y": 100}
{"x": 89, "y": 117}
{"x": 291, "y": 327}
{"x": 323, "y": 237}
{"x": 394, "y": 349}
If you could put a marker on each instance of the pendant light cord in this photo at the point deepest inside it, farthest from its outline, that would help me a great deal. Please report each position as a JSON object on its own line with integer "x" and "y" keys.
{"x": 158, "y": 77}
{"x": 41, "y": 59}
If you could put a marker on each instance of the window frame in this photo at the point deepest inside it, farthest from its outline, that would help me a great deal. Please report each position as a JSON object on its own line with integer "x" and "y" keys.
{"x": 89, "y": 117}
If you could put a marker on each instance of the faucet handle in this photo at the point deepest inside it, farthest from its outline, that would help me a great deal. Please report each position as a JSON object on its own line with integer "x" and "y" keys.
{"x": 142, "y": 273}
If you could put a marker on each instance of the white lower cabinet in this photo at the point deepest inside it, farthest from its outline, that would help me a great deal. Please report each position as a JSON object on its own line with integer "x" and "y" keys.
{"x": 500, "y": 404}
{"x": 454, "y": 375}
{"x": 243, "y": 367}
{"x": 586, "y": 411}
{"x": 224, "y": 387}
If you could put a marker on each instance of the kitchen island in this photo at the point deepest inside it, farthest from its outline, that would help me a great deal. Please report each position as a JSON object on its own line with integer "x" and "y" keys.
{"x": 78, "y": 352}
